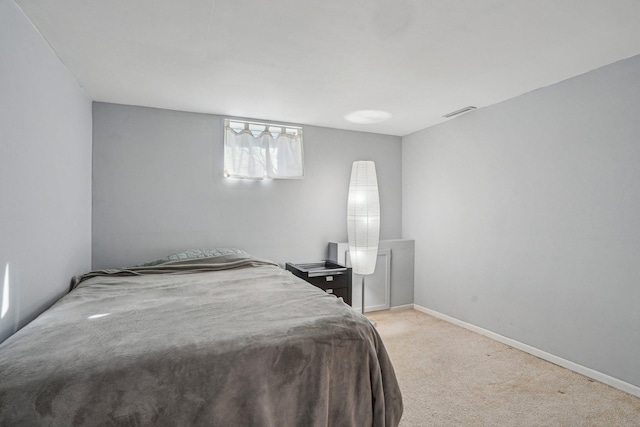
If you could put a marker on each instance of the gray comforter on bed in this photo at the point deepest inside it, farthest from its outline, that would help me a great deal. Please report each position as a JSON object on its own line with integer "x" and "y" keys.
{"x": 223, "y": 341}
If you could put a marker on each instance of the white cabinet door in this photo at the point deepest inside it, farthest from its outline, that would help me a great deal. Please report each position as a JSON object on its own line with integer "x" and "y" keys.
{"x": 377, "y": 292}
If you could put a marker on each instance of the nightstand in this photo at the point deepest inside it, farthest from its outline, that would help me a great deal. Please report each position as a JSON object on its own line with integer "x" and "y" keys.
{"x": 329, "y": 276}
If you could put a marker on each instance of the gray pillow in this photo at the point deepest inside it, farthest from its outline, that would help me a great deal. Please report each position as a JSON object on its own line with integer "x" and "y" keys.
{"x": 194, "y": 254}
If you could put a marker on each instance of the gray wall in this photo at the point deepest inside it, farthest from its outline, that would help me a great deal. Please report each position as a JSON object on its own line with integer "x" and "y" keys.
{"x": 158, "y": 188}
{"x": 45, "y": 172}
{"x": 526, "y": 217}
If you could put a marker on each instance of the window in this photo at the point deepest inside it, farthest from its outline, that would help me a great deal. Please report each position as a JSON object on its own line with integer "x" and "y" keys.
{"x": 262, "y": 150}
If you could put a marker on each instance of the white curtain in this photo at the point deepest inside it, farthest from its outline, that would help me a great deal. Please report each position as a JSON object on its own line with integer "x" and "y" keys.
{"x": 247, "y": 155}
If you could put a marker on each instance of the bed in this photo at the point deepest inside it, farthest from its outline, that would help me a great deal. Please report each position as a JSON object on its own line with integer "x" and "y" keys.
{"x": 219, "y": 339}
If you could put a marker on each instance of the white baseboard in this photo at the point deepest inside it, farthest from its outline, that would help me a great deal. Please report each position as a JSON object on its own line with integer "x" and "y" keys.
{"x": 583, "y": 370}
{"x": 401, "y": 307}
{"x": 370, "y": 308}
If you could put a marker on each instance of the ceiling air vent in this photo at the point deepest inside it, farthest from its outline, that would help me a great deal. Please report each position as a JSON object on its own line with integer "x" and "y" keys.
{"x": 460, "y": 111}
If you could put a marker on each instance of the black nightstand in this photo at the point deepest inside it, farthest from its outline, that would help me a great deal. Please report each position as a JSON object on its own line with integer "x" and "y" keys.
{"x": 327, "y": 275}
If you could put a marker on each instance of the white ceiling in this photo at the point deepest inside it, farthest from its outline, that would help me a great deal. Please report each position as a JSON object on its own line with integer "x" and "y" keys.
{"x": 314, "y": 61}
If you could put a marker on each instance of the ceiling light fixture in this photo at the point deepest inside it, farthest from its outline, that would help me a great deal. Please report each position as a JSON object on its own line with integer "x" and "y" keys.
{"x": 367, "y": 116}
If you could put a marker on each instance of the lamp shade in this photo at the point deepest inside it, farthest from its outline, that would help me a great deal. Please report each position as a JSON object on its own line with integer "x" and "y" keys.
{"x": 363, "y": 217}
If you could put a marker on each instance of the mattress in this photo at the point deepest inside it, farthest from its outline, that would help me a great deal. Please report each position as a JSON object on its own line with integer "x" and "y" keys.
{"x": 227, "y": 340}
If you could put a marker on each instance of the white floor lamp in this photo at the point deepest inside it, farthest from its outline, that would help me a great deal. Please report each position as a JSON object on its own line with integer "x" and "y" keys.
{"x": 363, "y": 219}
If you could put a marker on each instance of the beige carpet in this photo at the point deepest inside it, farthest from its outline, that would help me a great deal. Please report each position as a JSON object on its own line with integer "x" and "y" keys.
{"x": 450, "y": 376}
